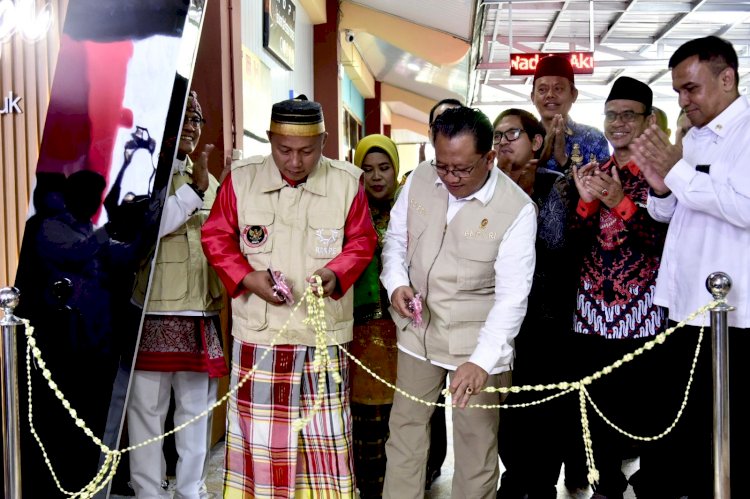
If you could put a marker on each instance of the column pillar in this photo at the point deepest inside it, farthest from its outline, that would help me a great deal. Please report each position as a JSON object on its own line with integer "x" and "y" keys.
{"x": 373, "y": 117}
{"x": 326, "y": 77}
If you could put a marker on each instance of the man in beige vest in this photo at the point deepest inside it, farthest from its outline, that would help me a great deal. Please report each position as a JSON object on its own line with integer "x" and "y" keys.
{"x": 180, "y": 348}
{"x": 461, "y": 235}
{"x": 300, "y": 214}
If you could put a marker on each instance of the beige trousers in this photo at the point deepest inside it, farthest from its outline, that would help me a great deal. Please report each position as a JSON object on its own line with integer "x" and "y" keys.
{"x": 476, "y": 471}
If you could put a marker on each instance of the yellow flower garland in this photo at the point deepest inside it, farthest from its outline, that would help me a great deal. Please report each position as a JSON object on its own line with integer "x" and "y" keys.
{"x": 322, "y": 361}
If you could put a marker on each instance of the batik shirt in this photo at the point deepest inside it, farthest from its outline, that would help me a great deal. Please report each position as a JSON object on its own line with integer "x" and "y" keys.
{"x": 583, "y": 144}
{"x": 621, "y": 250}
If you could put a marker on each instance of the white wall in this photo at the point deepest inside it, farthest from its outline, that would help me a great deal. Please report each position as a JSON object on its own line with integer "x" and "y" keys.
{"x": 298, "y": 81}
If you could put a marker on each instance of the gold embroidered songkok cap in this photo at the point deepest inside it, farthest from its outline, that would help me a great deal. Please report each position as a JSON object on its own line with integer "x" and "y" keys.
{"x": 297, "y": 117}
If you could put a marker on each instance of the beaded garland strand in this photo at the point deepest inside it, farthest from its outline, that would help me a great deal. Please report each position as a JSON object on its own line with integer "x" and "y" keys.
{"x": 322, "y": 360}
{"x": 316, "y": 318}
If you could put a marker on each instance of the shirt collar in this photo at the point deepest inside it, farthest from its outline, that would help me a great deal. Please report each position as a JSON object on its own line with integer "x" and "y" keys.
{"x": 272, "y": 180}
{"x": 483, "y": 195}
{"x": 181, "y": 166}
{"x": 630, "y": 165}
{"x": 722, "y": 123}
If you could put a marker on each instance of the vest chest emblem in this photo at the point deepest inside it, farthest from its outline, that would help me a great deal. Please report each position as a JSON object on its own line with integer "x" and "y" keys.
{"x": 325, "y": 242}
{"x": 255, "y": 235}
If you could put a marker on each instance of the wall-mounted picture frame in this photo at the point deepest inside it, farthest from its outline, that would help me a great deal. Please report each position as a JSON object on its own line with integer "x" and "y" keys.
{"x": 278, "y": 30}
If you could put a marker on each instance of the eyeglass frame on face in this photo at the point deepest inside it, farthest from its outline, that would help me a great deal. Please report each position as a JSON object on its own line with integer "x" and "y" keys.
{"x": 497, "y": 135}
{"x": 195, "y": 121}
{"x": 456, "y": 172}
{"x": 627, "y": 116}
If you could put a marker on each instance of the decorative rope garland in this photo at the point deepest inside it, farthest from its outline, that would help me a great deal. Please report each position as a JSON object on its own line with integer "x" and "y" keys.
{"x": 113, "y": 457}
{"x": 322, "y": 361}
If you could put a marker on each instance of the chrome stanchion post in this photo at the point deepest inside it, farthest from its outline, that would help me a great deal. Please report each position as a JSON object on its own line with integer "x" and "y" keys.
{"x": 719, "y": 284}
{"x": 11, "y": 430}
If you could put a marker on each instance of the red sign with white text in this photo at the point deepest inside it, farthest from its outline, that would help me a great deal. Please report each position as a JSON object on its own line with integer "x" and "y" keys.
{"x": 525, "y": 64}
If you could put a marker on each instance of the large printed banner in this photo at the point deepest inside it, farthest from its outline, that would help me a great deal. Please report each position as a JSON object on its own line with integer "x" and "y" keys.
{"x": 108, "y": 146}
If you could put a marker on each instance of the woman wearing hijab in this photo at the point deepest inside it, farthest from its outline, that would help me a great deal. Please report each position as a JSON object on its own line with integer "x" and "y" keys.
{"x": 374, "y": 331}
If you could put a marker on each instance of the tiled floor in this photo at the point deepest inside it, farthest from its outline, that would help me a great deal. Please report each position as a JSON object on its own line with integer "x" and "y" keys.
{"x": 441, "y": 489}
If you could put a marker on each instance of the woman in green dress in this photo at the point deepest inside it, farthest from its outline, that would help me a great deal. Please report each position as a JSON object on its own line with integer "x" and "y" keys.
{"x": 374, "y": 331}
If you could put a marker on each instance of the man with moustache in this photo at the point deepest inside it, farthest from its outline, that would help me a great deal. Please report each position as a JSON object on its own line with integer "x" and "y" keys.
{"x": 180, "y": 347}
{"x": 567, "y": 143}
{"x": 298, "y": 213}
{"x": 620, "y": 247}
{"x": 518, "y": 140}
{"x": 470, "y": 256}
{"x": 702, "y": 188}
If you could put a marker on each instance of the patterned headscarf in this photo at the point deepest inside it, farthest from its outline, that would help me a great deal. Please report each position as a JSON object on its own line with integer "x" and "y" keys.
{"x": 193, "y": 104}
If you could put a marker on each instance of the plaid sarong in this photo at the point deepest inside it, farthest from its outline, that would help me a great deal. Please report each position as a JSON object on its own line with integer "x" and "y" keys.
{"x": 265, "y": 457}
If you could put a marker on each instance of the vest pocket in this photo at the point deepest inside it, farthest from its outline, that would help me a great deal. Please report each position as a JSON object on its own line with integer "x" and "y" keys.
{"x": 325, "y": 234}
{"x": 466, "y": 319}
{"x": 252, "y": 311}
{"x": 256, "y": 237}
{"x": 476, "y": 267}
{"x": 401, "y": 322}
{"x": 169, "y": 278}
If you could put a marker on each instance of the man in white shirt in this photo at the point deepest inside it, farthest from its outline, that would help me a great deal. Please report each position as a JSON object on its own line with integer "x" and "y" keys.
{"x": 702, "y": 188}
{"x": 461, "y": 235}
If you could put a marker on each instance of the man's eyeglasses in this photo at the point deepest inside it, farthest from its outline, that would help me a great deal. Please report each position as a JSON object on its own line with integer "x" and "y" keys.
{"x": 510, "y": 135}
{"x": 625, "y": 116}
{"x": 456, "y": 172}
{"x": 195, "y": 121}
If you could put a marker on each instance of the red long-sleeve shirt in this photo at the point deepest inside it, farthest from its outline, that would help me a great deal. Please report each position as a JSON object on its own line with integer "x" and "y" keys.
{"x": 221, "y": 243}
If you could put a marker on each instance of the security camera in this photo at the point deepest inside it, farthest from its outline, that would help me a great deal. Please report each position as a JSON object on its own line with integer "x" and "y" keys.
{"x": 349, "y": 36}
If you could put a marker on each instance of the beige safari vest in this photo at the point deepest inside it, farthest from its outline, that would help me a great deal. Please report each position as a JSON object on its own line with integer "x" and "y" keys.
{"x": 182, "y": 278}
{"x": 295, "y": 231}
{"x": 452, "y": 265}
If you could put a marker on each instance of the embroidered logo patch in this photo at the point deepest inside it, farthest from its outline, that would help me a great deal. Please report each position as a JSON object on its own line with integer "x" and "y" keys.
{"x": 326, "y": 239}
{"x": 255, "y": 235}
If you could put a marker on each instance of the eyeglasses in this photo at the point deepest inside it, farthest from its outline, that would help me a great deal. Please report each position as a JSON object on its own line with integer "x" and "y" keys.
{"x": 195, "y": 121}
{"x": 510, "y": 135}
{"x": 625, "y": 116}
{"x": 456, "y": 172}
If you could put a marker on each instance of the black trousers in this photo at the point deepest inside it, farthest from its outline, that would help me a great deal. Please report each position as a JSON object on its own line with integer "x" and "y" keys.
{"x": 682, "y": 463}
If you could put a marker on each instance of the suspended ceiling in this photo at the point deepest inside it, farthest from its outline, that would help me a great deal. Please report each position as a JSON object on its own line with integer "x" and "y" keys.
{"x": 634, "y": 38}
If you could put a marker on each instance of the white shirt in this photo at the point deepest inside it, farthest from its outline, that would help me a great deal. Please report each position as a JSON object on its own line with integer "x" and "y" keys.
{"x": 514, "y": 269}
{"x": 709, "y": 218}
{"x": 179, "y": 206}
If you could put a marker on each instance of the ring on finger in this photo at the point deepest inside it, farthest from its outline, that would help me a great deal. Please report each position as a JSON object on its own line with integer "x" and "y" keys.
{"x": 469, "y": 391}
{"x": 605, "y": 192}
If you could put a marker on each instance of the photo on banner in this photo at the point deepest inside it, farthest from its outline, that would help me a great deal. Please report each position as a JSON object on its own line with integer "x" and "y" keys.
{"x": 115, "y": 112}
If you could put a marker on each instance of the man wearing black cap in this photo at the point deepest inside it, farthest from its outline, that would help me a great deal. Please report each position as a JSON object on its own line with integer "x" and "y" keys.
{"x": 288, "y": 217}
{"x": 620, "y": 246}
{"x": 567, "y": 143}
